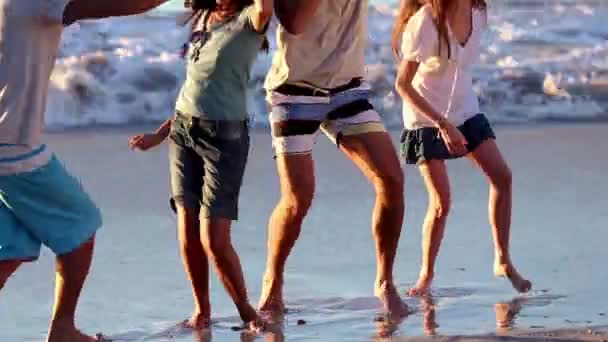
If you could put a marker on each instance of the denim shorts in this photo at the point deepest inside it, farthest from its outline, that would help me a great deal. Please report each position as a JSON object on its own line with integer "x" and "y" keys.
{"x": 44, "y": 206}
{"x": 425, "y": 143}
{"x": 207, "y": 163}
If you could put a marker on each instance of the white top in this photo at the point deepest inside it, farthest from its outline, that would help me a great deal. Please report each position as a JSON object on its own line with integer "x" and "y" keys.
{"x": 30, "y": 32}
{"x": 446, "y": 84}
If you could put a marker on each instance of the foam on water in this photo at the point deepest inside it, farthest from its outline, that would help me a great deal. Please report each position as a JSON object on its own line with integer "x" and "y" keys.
{"x": 545, "y": 60}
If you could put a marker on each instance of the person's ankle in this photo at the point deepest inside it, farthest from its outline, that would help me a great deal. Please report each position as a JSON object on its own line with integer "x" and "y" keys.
{"x": 247, "y": 312}
{"x": 427, "y": 274}
{"x": 63, "y": 322}
{"x": 501, "y": 259}
{"x": 384, "y": 284}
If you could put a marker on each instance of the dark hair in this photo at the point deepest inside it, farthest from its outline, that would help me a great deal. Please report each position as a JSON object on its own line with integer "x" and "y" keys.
{"x": 198, "y": 7}
{"x": 408, "y": 8}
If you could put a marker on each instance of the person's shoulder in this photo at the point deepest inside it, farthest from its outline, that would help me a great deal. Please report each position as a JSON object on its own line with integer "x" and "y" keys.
{"x": 422, "y": 20}
{"x": 424, "y": 13}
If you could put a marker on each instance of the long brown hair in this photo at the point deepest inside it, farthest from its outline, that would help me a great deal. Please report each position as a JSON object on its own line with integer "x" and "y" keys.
{"x": 439, "y": 8}
{"x": 198, "y": 7}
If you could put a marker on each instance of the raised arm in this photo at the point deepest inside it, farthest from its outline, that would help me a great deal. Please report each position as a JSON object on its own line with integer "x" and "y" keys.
{"x": 262, "y": 15}
{"x": 294, "y": 15}
{"x": 96, "y": 9}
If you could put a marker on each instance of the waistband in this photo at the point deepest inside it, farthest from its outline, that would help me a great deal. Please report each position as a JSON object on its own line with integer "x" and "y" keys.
{"x": 191, "y": 121}
{"x": 310, "y": 90}
{"x": 25, "y": 156}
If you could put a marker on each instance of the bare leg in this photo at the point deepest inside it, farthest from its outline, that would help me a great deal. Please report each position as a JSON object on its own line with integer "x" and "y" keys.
{"x": 216, "y": 239}
{"x": 438, "y": 187}
{"x": 374, "y": 154}
{"x": 489, "y": 159}
{"x": 196, "y": 265}
{"x": 296, "y": 174}
{"x": 72, "y": 270}
{"x": 7, "y": 268}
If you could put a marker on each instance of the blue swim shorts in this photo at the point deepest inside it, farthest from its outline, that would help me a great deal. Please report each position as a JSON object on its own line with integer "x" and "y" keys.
{"x": 45, "y": 206}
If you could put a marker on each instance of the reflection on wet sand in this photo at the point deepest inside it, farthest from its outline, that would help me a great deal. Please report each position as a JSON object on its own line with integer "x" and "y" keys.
{"x": 204, "y": 335}
{"x": 506, "y": 313}
{"x": 429, "y": 321}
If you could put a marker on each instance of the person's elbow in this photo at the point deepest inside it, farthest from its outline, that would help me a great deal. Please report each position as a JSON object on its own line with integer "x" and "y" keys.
{"x": 404, "y": 87}
{"x": 265, "y": 13}
{"x": 399, "y": 85}
{"x": 263, "y": 20}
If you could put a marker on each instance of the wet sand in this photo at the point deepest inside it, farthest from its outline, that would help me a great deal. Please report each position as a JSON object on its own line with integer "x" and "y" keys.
{"x": 591, "y": 334}
{"x": 137, "y": 288}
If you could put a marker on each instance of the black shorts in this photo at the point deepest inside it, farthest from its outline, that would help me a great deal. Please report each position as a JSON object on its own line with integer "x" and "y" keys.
{"x": 207, "y": 162}
{"x": 425, "y": 143}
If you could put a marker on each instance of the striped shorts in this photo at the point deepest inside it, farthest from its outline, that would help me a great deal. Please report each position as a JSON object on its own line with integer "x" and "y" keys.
{"x": 297, "y": 119}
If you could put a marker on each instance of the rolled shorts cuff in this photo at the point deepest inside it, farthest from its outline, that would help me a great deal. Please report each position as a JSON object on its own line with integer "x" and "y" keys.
{"x": 223, "y": 212}
{"x": 354, "y": 130}
{"x": 74, "y": 241}
{"x": 186, "y": 200}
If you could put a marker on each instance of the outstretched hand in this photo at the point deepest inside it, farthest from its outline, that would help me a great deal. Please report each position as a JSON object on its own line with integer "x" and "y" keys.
{"x": 144, "y": 142}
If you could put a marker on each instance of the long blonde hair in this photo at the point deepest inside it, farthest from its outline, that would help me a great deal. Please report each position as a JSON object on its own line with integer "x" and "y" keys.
{"x": 439, "y": 8}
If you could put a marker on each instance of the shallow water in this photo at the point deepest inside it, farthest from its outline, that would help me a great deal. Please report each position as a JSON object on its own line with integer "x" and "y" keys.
{"x": 137, "y": 290}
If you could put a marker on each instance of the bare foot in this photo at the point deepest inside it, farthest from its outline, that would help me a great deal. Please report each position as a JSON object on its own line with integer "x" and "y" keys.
{"x": 271, "y": 301}
{"x": 198, "y": 321}
{"x": 256, "y": 326}
{"x": 69, "y": 334}
{"x": 508, "y": 271}
{"x": 394, "y": 307}
{"x": 422, "y": 287}
{"x": 253, "y": 322}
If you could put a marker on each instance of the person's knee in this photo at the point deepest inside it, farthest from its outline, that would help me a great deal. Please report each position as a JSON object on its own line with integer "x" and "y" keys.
{"x": 390, "y": 186}
{"x": 503, "y": 180}
{"x": 189, "y": 231}
{"x": 298, "y": 202}
{"x": 440, "y": 206}
{"x": 215, "y": 240}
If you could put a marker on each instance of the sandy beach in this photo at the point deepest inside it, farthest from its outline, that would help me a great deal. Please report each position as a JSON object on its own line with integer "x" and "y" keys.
{"x": 137, "y": 290}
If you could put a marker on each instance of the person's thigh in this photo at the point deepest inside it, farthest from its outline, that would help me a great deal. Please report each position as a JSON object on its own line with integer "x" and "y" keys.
{"x": 186, "y": 171}
{"x": 375, "y": 154}
{"x": 437, "y": 182}
{"x": 488, "y": 158}
{"x": 53, "y": 206}
{"x": 351, "y": 115}
{"x": 295, "y": 126}
{"x": 224, "y": 149}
